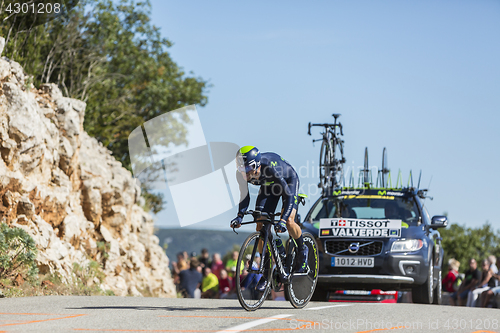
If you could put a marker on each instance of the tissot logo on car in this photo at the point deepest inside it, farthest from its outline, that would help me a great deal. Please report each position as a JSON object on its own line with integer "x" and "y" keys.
{"x": 359, "y": 228}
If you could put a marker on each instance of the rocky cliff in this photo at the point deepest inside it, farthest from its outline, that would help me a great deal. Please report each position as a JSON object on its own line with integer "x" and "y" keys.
{"x": 70, "y": 193}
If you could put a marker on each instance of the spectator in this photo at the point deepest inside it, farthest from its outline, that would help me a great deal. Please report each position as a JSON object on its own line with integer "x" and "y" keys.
{"x": 472, "y": 277}
{"x": 205, "y": 258}
{"x": 493, "y": 264}
{"x": 451, "y": 277}
{"x": 249, "y": 281}
{"x": 190, "y": 279}
{"x": 209, "y": 284}
{"x": 193, "y": 257}
{"x": 225, "y": 284}
{"x": 178, "y": 266}
{"x": 231, "y": 264}
{"x": 487, "y": 282}
{"x": 217, "y": 265}
{"x": 489, "y": 294}
{"x": 493, "y": 267}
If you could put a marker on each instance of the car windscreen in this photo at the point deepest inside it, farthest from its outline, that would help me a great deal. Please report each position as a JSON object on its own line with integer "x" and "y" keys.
{"x": 368, "y": 207}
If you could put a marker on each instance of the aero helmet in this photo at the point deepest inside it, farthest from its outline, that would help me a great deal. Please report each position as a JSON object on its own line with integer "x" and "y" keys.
{"x": 247, "y": 158}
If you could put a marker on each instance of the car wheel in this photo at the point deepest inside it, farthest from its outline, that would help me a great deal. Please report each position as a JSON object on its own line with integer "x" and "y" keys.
{"x": 438, "y": 291}
{"x": 423, "y": 294}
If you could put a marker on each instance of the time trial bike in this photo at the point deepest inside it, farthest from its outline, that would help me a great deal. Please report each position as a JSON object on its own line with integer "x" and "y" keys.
{"x": 277, "y": 262}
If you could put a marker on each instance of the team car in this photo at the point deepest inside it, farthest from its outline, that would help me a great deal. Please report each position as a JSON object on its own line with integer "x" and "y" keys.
{"x": 377, "y": 239}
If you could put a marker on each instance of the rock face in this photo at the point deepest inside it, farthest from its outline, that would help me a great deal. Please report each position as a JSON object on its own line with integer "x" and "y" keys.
{"x": 69, "y": 192}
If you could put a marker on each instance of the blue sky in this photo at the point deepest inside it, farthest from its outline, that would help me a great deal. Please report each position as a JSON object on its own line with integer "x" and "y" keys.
{"x": 421, "y": 78}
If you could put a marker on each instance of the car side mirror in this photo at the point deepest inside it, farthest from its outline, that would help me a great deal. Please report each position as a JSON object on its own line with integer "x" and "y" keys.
{"x": 439, "y": 221}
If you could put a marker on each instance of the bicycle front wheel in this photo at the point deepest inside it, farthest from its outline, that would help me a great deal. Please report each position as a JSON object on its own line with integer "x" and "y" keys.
{"x": 302, "y": 286}
{"x": 247, "y": 276}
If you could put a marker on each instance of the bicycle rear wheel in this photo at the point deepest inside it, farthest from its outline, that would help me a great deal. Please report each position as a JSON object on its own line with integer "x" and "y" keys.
{"x": 325, "y": 165}
{"x": 338, "y": 162}
{"x": 301, "y": 287}
{"x": 246, "y": 279}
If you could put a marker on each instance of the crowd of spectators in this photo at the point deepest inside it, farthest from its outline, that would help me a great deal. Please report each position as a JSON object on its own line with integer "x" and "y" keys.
{"x": 476, "y": 287}
{"x": 204, "y": 277}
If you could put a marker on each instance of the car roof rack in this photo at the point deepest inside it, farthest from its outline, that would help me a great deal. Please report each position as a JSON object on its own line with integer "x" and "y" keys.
{"x": 383, "y": 181}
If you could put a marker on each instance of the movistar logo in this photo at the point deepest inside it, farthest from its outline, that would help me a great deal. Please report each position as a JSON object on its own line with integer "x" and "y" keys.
{"x": 337, "y": 192}
{"x": 274, "y": 164}
{"x": 382, "y": 192}
{"x": 295, "y": 199}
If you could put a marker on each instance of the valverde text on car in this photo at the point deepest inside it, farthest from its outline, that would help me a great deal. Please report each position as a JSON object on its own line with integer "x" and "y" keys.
{"x": 377, "y": 239}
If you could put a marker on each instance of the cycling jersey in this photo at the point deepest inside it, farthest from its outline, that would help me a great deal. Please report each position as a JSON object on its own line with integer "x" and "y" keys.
{"x": 277, "y": 179}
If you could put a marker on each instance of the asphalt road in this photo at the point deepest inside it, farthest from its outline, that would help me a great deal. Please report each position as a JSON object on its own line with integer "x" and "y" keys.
{"x": 133, "y": 314}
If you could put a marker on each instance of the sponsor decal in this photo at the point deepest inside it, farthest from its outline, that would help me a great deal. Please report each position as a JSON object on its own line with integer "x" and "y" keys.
{"x": 347, "y": 192}
{"x": 360, "y": 228}
{"x": 380, "y": 193}
{"x": 395, "y": 194}
{"x": 372, "y": 196}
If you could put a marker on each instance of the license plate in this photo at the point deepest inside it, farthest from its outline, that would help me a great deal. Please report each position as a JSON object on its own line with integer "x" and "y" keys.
{"x": 352, "y": 262}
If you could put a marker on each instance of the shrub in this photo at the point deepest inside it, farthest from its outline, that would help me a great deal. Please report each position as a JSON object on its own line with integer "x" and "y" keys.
{"x": 17, "y": 253}
{"x": 88, "y": 278}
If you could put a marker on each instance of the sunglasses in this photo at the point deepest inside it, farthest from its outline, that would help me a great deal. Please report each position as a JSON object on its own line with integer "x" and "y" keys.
{"x": 246, "y": 168}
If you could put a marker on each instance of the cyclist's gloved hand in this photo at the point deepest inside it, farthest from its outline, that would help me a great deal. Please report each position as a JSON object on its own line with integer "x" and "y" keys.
{"x": 280, "y": 227}
{"x": 236, "y": 223}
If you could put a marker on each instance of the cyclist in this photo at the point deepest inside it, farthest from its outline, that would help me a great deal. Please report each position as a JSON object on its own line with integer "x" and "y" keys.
{"x": 277, "y": 179}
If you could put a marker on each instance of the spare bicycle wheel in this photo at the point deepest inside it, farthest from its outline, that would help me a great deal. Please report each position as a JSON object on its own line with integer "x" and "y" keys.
{"x": 338, "y": 163}
{"x": 247, "y": 276}
{"x": 325, "y": 165}
{"x": 301, "y": 287}
{"x": 366, "y": 178}
{"x": 385, "y": 168}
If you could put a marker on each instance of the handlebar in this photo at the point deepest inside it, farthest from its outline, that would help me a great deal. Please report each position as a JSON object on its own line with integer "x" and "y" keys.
{"x": 331, "y": 126}
{"x": 256, "y": 214}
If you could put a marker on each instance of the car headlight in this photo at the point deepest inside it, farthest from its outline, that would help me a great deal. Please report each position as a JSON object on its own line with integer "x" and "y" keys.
{"x": 408, "y": 245}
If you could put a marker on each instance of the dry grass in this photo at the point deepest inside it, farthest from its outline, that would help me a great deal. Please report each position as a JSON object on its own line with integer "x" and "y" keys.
{"x": 86, "y": 282}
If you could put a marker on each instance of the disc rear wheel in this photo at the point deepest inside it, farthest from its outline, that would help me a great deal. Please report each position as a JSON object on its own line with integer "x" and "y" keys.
{"x": 301, "y": 287}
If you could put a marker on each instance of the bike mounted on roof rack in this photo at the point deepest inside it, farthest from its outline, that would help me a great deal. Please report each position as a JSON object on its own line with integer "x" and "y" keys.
{"x": 332, "y": 160}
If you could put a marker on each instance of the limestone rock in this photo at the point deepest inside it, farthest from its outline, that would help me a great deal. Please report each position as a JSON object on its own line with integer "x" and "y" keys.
{"x": 70, "y": 194}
